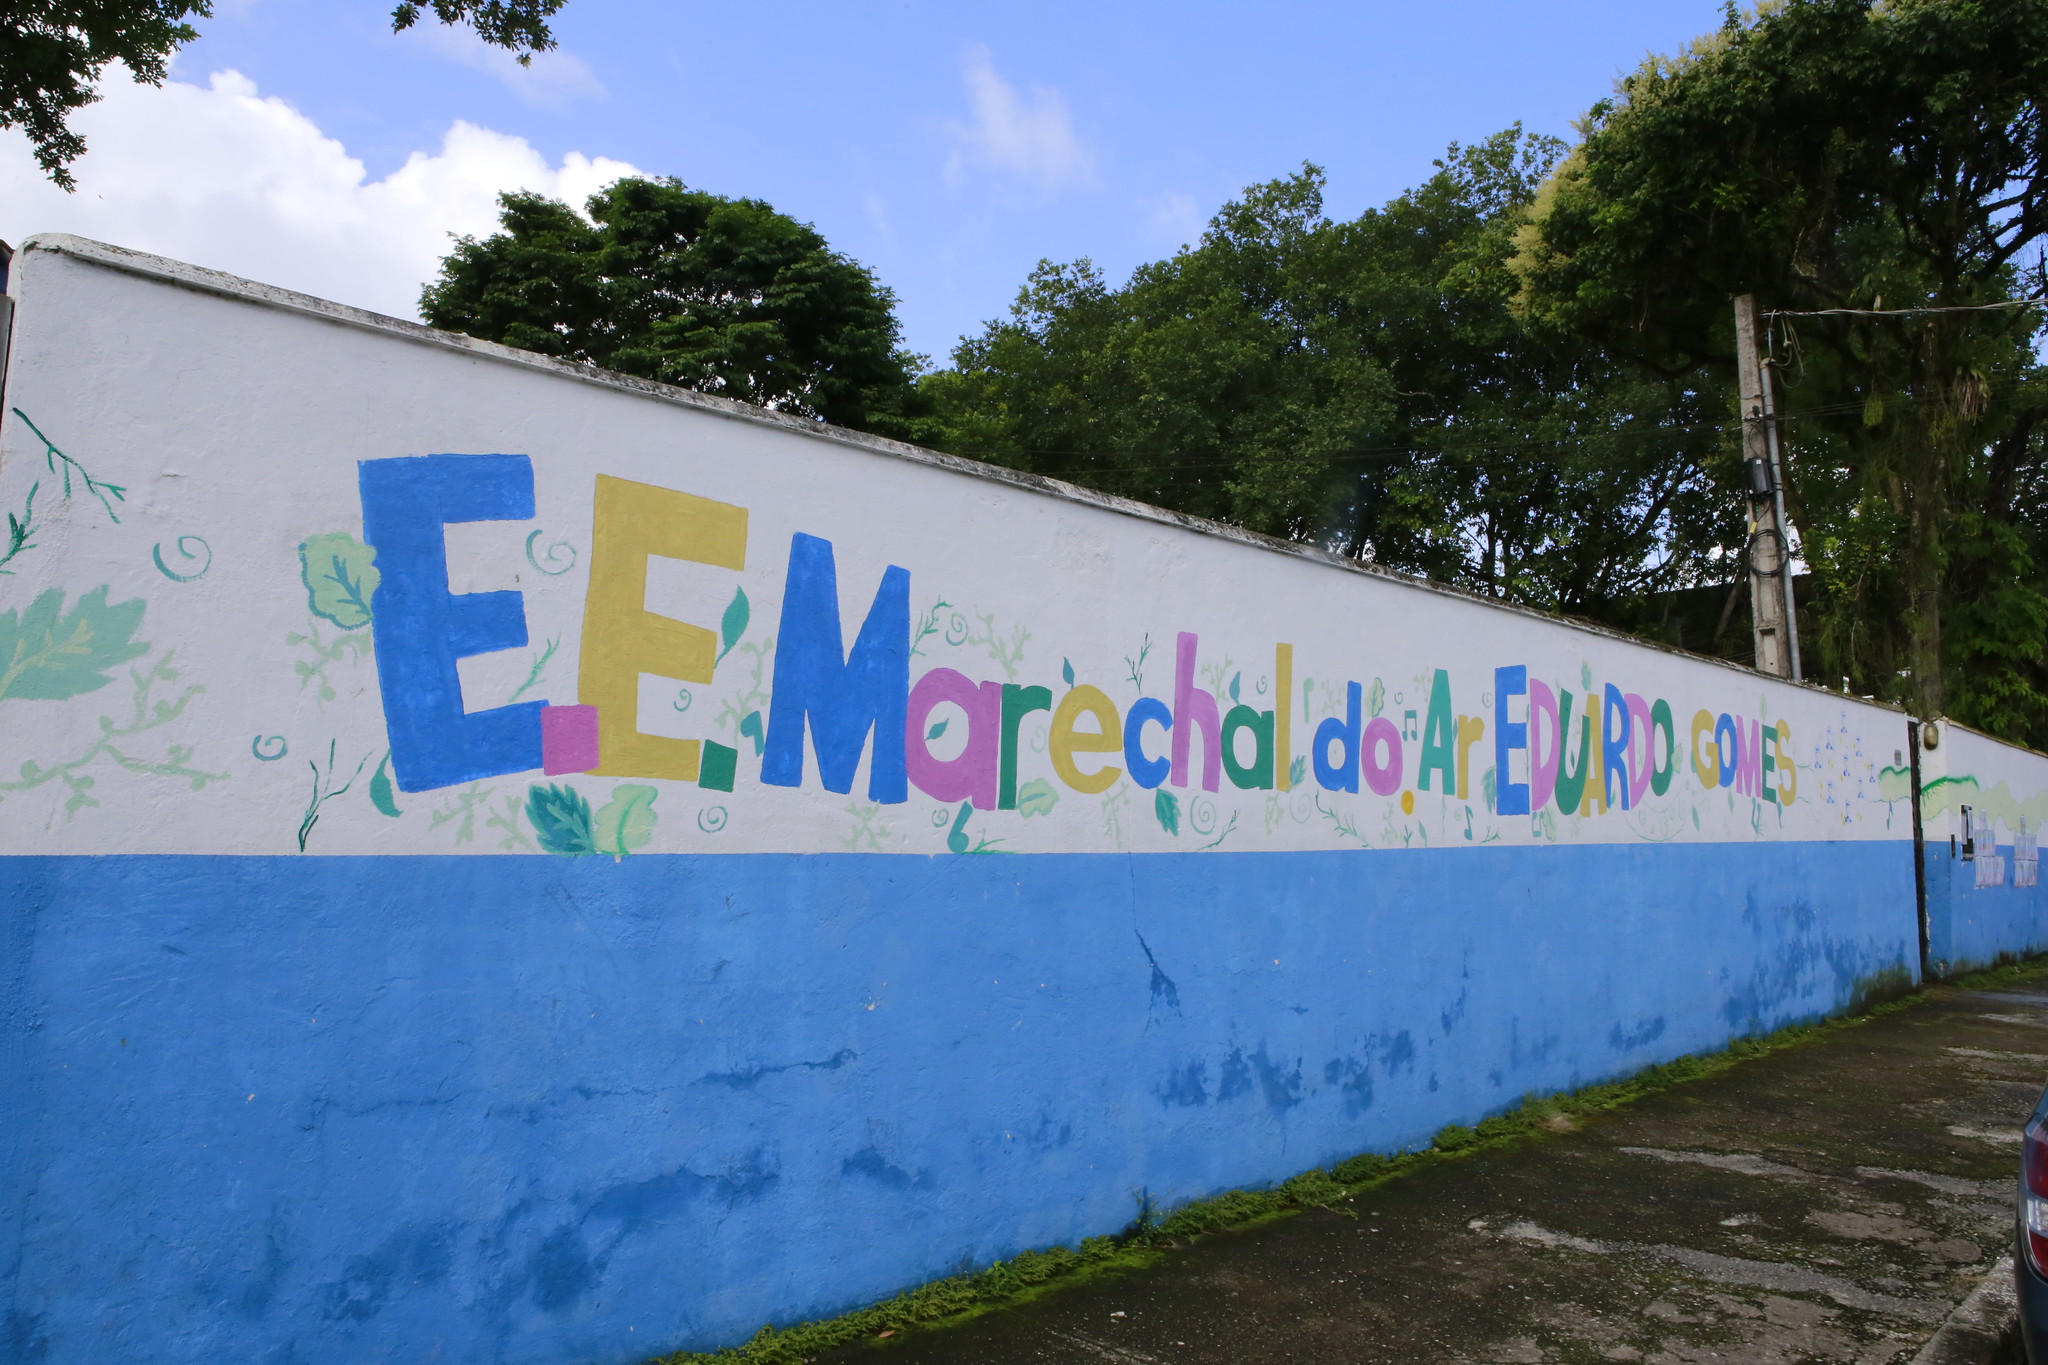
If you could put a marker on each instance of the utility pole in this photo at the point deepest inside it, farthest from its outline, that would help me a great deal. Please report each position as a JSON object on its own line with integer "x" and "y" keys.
{"x": 1768, "y": 554}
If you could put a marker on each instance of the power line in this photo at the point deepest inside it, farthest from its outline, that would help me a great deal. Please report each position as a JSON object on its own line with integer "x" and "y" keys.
{"x": 1903, "y": 312}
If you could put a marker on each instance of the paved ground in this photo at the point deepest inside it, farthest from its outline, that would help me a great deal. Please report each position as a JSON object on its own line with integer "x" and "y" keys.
{"x": 1830, "y": 1203}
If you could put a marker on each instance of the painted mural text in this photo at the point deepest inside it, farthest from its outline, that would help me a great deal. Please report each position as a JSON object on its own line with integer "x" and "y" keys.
{"x": 1588, "y": 752}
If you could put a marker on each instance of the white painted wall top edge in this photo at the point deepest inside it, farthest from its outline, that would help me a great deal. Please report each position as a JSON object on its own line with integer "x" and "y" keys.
{"x": 202, "y": 279}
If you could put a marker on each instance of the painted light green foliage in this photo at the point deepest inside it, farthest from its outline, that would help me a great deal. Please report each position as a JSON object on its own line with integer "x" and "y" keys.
{"x": 341, "y": 576}
{"x": 564, "y": 823}
{"x": 868, "y": 830}
{"x": 325, "y": 654}
{"x": 148, "y": 710}
{"x": 742, "y": 711}
{"x": 1166, "y": 806}
{"x": 1949, "y": 793}
{"x": 928, "y": 625}
{"x": 537, "y": 671}
{"x": 1037, "y": 797}
{"x": 381, "y": 795}
{"x": 459, "y": 808}
{"x": 625, "y": 822}
{"x": 959, "y": 841}
{"x": 48, "y": 653}
{"x": 1998, "y": 803}
{"x": 734, "y": 623}
{"x": 1227, "y": 831}
{"x": 1007, "y": 652}
{"x": 561, "y": 820}
{"x": 324, "y": 791}
{"x": 21, "y": 530}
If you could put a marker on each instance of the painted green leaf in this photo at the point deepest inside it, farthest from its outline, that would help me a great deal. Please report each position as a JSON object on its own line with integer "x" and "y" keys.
{"x": 937, "y": 730}
{"x": 625, "y": 822}
{"x": 341, "y": 576}
{"x": 561, "y": 820}
{"x": 1297, "y": 771}
{"x": 381, "y": 795}
{"x": 1235, "y": 679}
{"x": 1376, "y": 700}
{"x": 1166, "y": 806}
{"x": 734, "y": 623}
{"x": 1067, "y": 671}
{"x": 48, "y": 654}
{"x": 1037, "y": 797}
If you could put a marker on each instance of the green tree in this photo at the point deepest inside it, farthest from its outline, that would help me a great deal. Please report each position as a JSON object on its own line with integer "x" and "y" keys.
{"x": 1520, "y": 461}
{"x": 1211, "y": 383}
{"x": 53, "y": 51}
{"x": 1849, "y": 154}
{"x": 724, "y": 296}
{"x": 1365, "y": 386}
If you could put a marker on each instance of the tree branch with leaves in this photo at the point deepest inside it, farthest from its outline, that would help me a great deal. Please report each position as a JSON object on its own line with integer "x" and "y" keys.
{"x": 54, "y": 52}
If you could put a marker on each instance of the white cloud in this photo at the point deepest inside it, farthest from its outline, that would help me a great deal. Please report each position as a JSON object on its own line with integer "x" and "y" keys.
{"x": 553, "y": 79}
{"x": 1172, "y": 217}
{"x": 1024, "y": 138}
{"x": 222, "y": 176}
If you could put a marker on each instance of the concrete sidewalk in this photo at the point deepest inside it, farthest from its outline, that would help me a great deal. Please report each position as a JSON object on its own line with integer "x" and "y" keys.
{"x": 1834, "y": 1202}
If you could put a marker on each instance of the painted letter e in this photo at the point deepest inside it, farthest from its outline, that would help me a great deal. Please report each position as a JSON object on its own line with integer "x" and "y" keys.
{"x": 421, "y": 628}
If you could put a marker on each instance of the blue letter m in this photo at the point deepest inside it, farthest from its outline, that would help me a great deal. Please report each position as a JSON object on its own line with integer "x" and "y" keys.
{"x": 843, "y": 695}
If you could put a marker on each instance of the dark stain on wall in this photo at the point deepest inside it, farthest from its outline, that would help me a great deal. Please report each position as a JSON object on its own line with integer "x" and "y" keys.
{"x": 1186, "y": 1086}
{"x": 750, "y": 1077}
{"x": 1164, "y": 992}
{"x": 871, "y": 1163}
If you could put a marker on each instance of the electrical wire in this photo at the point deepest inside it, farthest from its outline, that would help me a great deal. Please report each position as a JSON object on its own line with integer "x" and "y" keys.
{"x": 1903, "y": 312}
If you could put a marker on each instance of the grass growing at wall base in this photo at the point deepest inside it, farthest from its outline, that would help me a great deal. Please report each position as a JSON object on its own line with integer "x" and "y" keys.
{"x": 1153, "y": 1235}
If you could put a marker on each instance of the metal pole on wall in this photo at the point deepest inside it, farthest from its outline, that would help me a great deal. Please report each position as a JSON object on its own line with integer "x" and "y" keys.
{"x": 1766, "y": 553}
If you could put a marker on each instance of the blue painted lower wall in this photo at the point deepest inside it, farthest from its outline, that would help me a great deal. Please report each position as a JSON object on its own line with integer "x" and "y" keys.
{"x": 537, "y": 1109}
{"x": 1971, "y": 927}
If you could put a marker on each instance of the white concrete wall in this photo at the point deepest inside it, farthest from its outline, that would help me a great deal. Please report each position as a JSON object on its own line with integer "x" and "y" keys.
{"x": 233, "y": 419}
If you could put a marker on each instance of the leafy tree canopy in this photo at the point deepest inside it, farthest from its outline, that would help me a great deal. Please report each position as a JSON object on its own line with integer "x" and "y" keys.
{"x": 520, "y": 25}
{"x": 1850, "y": 154}
{"x": 1365, "y": 386}
{"x": 1214, "y": 382}
{"x": 53, "y": 51}
{"x": 725, "y": 296}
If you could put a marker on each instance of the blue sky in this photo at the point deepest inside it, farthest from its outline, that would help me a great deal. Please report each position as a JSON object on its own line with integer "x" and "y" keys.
{"x": 949, "y": 148}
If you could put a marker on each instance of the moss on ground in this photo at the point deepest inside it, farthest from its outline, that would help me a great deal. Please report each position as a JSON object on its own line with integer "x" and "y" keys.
{"x": 1154, "y": 1233}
